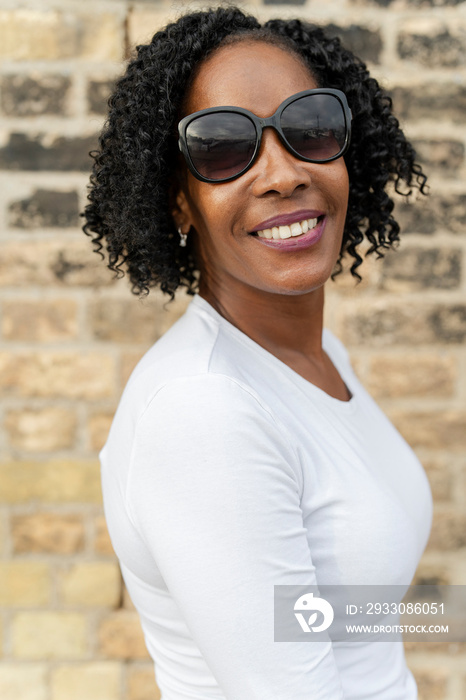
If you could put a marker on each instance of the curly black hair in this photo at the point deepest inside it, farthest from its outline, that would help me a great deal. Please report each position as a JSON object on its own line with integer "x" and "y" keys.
{"x": 135, "y": 169}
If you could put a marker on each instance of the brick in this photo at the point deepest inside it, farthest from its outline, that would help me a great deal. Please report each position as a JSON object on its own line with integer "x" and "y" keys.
{"x": 52, "y": 263}
{"x": 49, "y": 635}
{"x": 98, "y": 428}
{"x": 47, "y": 34}
{"x": 55, "y": 481}
{"x": 91, "y": 584}
{"x": 98, "y": 92}
{"x": 49, "y": 374}
{"x": 413, "y": 268}
{"x": 142, "y": 685}
{"x": 40, "y": 321}
{"x": 34, "y": 95}
{"x": 432, "y": 683}
{"x": 284, "y": 2}
{"x": 436, "y": 213}
{"x": 130, "y": 321}
{"x": 434, "y": 101}
{"x": 120, "y": 636}
{"x": 23, "y": 681}
{"x": 363, "y": 42}
{"x": 102, "y": 542}
{"x": 4, "y": 544}
{"x": 452, "y": 649}
{"x": 429, "y": 575}
{"x": 384, "y": 322}
{"x": 134, "y": 320}
{"x": 41, "y": 430}
{"x": 440, "y": 155}
{"x": 45, "y": 208}
{"x": 24, "y": 583}
{"x": 448, "y": 530}
{"x": 430, "y": 44}
{"x": 47, "y": 152}
{"x": 459, "y": 571}
{"x": 448, "y": 322}
{"x": 432, "y": 429}
{"x": 49, "y": 533}
{"x": 423, "y": 375}
{"x": 143, "y": 24}
{"x": 440, "y": 477}
{"x": 417, "y": 3}
{"x": 99, "y": 680}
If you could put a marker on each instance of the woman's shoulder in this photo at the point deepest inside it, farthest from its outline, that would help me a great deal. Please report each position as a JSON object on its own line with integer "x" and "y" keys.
{"x": 184, "y": 349}
{"x": 196, "y": 355}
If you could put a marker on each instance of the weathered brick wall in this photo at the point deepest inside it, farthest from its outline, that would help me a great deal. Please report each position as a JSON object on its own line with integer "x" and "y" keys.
{"x": 70, "y": 335}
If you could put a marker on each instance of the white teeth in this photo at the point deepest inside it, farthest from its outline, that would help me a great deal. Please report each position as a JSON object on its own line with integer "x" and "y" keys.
{"x": 295, "y": 229}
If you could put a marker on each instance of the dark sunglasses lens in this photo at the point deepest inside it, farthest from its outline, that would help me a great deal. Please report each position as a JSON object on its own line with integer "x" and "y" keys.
{"x": 221, "y": 145}
{"x": 315, "y": 126}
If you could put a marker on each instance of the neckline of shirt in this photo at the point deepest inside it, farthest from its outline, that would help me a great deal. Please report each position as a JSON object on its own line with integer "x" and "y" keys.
{"x": 348, "y": 406}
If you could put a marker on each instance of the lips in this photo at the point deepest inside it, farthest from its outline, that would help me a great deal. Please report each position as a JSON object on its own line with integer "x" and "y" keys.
{"x": 292, "y": 242}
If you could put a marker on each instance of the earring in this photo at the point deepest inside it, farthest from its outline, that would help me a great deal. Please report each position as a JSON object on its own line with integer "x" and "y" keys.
{"x": 183, "y": 238}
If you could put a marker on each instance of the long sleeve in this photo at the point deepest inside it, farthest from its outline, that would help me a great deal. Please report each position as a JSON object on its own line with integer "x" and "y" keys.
{"x": 214, "y": 491}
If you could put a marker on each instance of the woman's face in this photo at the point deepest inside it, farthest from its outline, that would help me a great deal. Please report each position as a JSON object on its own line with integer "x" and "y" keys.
{"x": 259, "y": 77}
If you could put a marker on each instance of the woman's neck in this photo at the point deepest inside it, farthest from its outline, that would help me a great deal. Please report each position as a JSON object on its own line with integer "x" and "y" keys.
{"x": 285, "y": 325}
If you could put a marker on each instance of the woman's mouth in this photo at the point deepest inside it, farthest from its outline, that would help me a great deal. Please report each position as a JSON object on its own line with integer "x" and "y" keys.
{"x": 296, "y": 229}
{"x": 299, "y": 234}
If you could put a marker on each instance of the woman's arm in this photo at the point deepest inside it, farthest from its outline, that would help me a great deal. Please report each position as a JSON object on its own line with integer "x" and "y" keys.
{"x": 214, "y": 490}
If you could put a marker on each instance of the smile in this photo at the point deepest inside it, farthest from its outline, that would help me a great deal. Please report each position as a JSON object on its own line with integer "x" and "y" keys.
{"x": 295, "y": 229}
{"x": 294, "y": 236}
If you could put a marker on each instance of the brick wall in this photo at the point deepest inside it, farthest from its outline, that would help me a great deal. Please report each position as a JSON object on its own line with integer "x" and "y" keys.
{"x": 70, "y": 335}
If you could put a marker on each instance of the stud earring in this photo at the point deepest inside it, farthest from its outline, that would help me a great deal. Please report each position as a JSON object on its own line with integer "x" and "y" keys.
{"x": 183, "y": 238}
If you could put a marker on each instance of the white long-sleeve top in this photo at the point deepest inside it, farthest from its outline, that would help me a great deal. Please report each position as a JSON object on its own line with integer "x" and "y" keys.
{"x": 226, "y": 473}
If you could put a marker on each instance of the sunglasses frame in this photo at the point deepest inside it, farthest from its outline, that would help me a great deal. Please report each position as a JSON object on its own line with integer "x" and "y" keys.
{"x": 259, "y": 125}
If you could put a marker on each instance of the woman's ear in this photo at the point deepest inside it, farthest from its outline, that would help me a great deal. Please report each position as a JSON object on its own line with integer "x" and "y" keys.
{"x": 181, "y": 212}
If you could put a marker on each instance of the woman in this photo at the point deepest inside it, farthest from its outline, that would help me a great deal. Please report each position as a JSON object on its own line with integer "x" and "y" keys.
{"x": 245, "y": 454}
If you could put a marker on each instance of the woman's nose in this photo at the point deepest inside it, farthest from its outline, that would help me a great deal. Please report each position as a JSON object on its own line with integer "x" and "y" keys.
{"x": 278, "y": 170}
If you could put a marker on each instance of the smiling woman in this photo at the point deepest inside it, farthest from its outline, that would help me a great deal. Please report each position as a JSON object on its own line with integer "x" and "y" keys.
{"x": 245, "y": 454}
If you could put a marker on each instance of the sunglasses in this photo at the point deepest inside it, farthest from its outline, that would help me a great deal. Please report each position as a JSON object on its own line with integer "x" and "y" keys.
{"x": 221, "y": 143}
